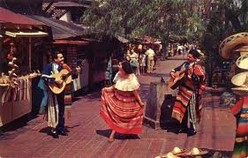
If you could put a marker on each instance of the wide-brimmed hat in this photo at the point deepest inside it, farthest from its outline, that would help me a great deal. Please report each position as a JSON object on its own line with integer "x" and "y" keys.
{"x": 228, "y": 45}
{"x": 242, "y": 62}
{"x": 240, "y": 79}
{"x": 242, "y": 91}
{"x": 194, "y": 152}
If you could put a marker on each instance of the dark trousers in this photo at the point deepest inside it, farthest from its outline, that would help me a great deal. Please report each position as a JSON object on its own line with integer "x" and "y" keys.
{"x": 61, "y": 106}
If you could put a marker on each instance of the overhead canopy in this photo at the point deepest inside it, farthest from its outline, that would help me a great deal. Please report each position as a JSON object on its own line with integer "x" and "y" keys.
{"x": 7, "y": 16}
{"x": 26, "y": 34}
{"x": 68, "y": 4}
{"x": 71, "y": 42}
{"x": 148, "y": 40}
{"x": 122, "y": 39}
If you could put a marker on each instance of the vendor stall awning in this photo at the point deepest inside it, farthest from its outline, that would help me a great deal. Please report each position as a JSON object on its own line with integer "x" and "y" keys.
{"x": 71, "y": 42}
{"x": 26, "y": 34}
{"x": 7, "y": 16}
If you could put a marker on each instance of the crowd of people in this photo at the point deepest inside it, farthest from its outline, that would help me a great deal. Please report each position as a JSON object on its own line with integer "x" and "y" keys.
{"x": 141, "y": 57}
{"x": 179, "y": 49}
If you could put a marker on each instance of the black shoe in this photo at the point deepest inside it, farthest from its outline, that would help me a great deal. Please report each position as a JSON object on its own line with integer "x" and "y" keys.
{"x": 184, "y": 130}
{"x": 54, "y": 134}
{"x": 62, "y": 132}
{"x": 191, "y": 132}
{"x": 174, "y": 130}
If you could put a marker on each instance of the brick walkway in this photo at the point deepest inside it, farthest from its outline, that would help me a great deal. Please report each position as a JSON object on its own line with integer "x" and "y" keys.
{"x": 88, "y": 133}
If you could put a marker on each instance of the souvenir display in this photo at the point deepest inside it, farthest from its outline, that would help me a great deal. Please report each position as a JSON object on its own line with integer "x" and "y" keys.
{"x": 239, "y": 87}
{"x": 182, "y": 153}
{"x": 230, "y": 43}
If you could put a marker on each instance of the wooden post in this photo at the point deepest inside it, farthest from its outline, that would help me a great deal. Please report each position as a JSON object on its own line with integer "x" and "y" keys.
{"x": 154, "y": 103}
{"x": 29, "y": 54}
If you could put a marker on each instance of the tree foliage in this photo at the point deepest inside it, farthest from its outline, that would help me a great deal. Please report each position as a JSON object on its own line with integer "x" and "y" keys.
{"x": 225, "y": 18}
{"x": 229, "y": 17}
{"x": 135, "y": 18}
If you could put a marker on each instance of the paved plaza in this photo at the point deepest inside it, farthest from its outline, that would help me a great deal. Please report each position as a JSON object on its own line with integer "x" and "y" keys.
{"x": 88, "y": 133}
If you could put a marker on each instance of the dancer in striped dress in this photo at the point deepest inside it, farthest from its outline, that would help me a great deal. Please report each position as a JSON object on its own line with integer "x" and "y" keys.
{"x": 122, "y": 108}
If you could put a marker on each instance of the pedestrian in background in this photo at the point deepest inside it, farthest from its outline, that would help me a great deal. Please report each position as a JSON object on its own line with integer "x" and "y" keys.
{"x": 142, "y": 62}
{"x": 108, "y": 72}
{"x": 122, "y": 107}
{"x": 134, "y": 60}
{"x": 150, "y": 59}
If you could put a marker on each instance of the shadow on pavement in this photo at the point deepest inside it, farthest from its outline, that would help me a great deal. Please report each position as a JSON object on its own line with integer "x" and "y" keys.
{"x": 107, "y": 132}
{"x": 104, "y": 133}
{"x": 166, "y": 121}
{"x": 45, "y": 130}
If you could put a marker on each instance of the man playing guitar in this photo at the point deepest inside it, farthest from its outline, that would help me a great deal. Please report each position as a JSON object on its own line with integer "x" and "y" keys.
{"x": 190, "y": 86}
{"x": 56, "y": 105}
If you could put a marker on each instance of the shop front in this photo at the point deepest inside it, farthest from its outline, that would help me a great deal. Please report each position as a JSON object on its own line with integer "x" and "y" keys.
{"x": 21, "y": 41}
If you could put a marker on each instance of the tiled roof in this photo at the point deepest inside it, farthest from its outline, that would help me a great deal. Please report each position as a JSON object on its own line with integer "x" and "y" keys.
{"x": 52, "y": 11}
{"x": 61, "y": 29}
{"x": 58, "y": 9}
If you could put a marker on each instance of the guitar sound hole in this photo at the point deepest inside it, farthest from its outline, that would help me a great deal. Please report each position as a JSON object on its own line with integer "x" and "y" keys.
{"x": 58, "y": 85}
{"x": 63, "y": 77}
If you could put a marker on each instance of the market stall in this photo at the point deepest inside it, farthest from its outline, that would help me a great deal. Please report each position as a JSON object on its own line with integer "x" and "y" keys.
{"x": 19, "y": 65}
{"x": 15, "y": 101}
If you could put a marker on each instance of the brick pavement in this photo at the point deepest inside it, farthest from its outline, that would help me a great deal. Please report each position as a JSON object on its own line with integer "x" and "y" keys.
{"x": 88, "y": 133}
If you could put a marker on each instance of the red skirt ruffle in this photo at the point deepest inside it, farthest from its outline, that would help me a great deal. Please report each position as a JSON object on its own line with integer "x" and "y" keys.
{"x": 121, "y": 111}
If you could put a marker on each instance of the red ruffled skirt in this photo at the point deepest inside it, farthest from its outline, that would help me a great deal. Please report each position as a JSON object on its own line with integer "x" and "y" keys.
{"x": 121, "y": 111}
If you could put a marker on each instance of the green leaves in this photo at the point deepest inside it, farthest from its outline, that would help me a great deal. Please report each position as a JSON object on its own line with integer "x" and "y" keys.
{"x": 132, "y": 18}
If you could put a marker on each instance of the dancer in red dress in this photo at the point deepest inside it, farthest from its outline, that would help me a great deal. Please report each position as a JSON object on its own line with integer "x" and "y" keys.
{"x": 122, "y": 108}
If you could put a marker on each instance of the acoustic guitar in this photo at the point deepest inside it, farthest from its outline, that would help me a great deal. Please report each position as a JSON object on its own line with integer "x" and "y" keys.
{"x": 173, "y": 83}
{"x": 66, "y": 78}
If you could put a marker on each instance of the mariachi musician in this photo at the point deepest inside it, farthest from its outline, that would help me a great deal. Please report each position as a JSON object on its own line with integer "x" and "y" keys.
{"x": 189, "y": 78}
{"x": 56, "y": 75}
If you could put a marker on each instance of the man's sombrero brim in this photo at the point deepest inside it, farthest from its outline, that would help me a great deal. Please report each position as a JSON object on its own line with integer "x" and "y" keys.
{"x": 240, "y": 89}
{"x": 239, "y": 79}
{"x": 242, "y": 62}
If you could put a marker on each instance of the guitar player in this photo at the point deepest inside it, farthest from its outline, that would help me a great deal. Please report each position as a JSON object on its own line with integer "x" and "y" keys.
{"x": 186, "y": 109}
{"x": 56, "y": 103}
